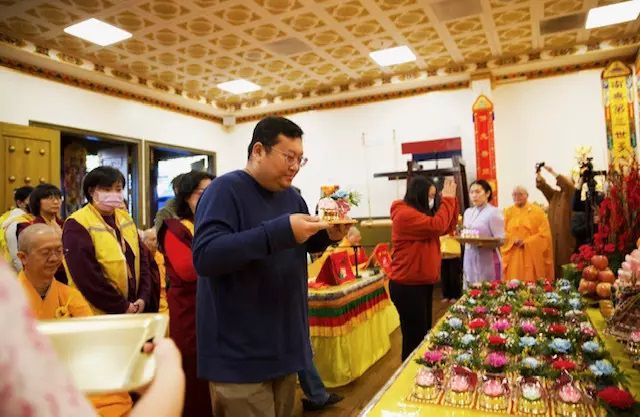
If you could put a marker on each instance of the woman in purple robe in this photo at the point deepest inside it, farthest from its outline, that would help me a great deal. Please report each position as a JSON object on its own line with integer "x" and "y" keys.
{"x": 482, "y": 263}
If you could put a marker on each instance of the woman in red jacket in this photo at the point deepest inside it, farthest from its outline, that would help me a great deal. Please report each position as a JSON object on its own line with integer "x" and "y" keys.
{"x": 175, "y": 237}
{"x": 415, "y": 263}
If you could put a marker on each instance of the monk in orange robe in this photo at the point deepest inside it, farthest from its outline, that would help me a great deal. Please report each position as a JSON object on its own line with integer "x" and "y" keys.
{"x": 40, "y": 251}
{"x": 528, "y": 252}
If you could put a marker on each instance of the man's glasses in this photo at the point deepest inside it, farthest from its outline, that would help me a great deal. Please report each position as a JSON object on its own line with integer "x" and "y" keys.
{"x": 291, "y": 160}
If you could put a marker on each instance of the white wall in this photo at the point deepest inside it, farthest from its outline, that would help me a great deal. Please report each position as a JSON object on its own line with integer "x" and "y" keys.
{"x": 544, "y": 120}
{"x": 26, "y": 98}
{"x": 333, "y": 142}
{"x": 539, "y": 120}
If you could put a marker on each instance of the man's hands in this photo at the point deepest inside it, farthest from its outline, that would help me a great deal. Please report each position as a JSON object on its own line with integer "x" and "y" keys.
{"x": 305, "y": 226}
{"x": 337, "y": 232}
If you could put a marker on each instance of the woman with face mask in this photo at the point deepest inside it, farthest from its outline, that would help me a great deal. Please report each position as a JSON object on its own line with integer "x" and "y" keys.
{"x": 175, "y": 238}
{"x": 104, "y": 259}
{"x": 415, "y": 263}
{"x": 102, "y": 249}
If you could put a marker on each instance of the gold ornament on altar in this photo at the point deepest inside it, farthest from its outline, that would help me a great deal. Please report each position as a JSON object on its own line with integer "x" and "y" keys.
{"x": 582, "y": 155}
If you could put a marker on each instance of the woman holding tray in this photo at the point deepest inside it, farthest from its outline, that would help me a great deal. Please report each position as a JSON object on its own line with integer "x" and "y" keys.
{"x": 482, "y": 262}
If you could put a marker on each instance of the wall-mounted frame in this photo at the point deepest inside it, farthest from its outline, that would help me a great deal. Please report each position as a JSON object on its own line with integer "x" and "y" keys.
{"x": 154, "y": 152}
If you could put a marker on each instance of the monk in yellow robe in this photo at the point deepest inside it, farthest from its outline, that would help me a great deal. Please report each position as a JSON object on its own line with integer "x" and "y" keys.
{"x": 150, "y": 239}
{"x": 528, "y": 252}
{"x": 40, "y": 251}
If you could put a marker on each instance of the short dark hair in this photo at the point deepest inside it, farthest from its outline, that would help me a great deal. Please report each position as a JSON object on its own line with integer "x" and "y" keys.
{"x": 268, "y": 129}
{"x": 103, "y": 176}
{"x": 417, "y": 193}
{"x": 485, "y": 186}
{"x": 175, "y": 182}
{"x": 187, "y": 185}
{"x": 22, "y": 193}
{"x": 39, "y": 193}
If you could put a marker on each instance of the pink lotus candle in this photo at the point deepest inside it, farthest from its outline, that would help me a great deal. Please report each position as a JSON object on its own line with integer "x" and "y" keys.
{"x": 459, "y": 383}
{"x": 425, "y": 378}
{"x": 569, "y": 394}
{"x": 493, "y": 388}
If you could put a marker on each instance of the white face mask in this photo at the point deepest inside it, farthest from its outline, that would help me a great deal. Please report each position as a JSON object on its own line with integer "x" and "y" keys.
{"x": 432, "y": 201}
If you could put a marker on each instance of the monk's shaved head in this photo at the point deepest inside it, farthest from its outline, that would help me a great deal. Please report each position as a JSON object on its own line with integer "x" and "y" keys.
{"x": 520, "y": 195}
{"x": 520, "y": 189}
{"x": 33, "y": 233}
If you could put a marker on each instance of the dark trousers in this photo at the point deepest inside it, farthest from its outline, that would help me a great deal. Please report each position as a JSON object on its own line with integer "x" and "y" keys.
{"x": 414, "y": 303}
{"x": 451, "y": 278}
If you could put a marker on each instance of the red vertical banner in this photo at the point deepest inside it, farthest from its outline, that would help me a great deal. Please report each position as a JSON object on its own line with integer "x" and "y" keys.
{"x": 485, "y": 144}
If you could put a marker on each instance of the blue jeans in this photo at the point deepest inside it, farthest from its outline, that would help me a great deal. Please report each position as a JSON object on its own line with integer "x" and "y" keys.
{"x": 312, "y": 385}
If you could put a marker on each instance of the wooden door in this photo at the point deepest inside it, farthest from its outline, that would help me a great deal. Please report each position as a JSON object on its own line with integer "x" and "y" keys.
{"x": 30, "y": 156}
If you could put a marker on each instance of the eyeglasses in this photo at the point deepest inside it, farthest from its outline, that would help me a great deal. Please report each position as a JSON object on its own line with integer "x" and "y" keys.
{"x": 291, "y": 160}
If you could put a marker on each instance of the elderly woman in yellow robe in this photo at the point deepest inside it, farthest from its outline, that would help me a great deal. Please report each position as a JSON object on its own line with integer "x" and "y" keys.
{"x": 40, "y": 251}
{"x": 527, "y": 253}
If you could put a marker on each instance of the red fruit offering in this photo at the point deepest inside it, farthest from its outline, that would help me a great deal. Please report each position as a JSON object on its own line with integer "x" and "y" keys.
{"x": 606, "y": 276}
{"x": 590, "y": 273}
{"x": 600, "y": 262}
{"x": 603, "y": 289}
{"x": 587, "y": 287}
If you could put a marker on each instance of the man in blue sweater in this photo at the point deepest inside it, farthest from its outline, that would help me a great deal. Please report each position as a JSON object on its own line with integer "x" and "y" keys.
{"x": 252, "y": 234}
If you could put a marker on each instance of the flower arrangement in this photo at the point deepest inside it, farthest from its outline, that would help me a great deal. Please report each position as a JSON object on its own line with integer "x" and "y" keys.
{"x": 453, "y": 324}
{"x": 432, "y": 359}
{"x": 501, "y": 325}
{"x": 467, "y": 340}
{"x": 496, "y": 342}
{"x": 528, "y": 327}
{"x": 592, "y": 350}
{"x": 336, "y": 203}
{"x": 496, "y": 362}
{"x": 557, "y": 329}
{"x": 562, "y": 364}
{"x": 603, "y": 371}
{"x": 550, "y": 313}
{"x": 560, "y": 345}
{"x": 618, "y": 402}
{"x": 491, "y": 333}
{"x": 477, "y": 324}
{"x": 530, "y": 366}
{"x": 442, "y": 338}
{"x": 514, "y": 284}
{"x": 505, "y": 310}
{"x": 480, "y": 310}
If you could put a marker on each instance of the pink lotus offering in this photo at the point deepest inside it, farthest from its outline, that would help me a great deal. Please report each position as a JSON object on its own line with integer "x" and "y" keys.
{"x": 635, "y": 336}
{"x": 529, "y": 327}
{"x": 426, "y": 378}
{"x": 493, "y": 388}
{"x": 569, "y": 394}
{"x": 501, "y": 325}
{"x": 459, "y": 383}
{"x": 480, "y": 310}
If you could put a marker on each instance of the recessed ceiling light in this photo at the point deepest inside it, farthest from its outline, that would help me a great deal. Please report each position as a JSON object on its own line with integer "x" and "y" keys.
{"x": 239, "y": 86}
{"x": 613, "y": 14}
{"x": 98, "y": 32}
{"x": 393, "y": 56}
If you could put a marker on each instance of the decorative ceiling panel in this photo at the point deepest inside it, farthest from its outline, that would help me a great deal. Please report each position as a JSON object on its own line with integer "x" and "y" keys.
{"x": 294, "y": 48}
